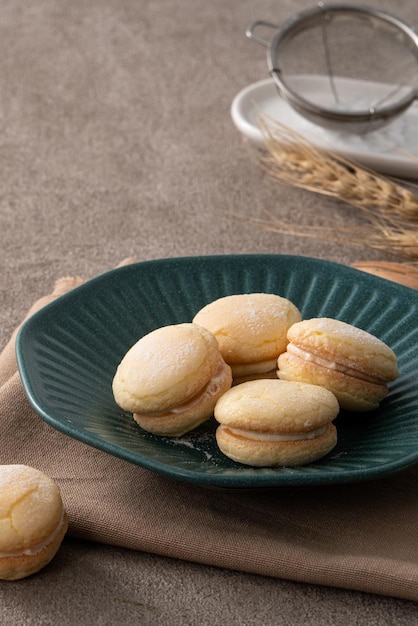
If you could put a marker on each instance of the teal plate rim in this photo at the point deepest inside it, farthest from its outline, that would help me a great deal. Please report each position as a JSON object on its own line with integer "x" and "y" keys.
{"x": 68, "y": 351}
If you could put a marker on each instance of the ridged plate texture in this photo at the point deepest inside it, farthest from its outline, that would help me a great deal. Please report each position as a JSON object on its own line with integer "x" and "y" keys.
{"x": 68, "y": 353}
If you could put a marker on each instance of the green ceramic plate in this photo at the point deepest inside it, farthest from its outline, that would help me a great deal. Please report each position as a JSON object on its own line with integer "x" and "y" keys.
{"x": 68, "y": 352}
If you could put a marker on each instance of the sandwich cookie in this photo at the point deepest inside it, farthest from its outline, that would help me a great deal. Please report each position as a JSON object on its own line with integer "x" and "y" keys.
{"x": 268, "y": 423}
{"x": 251, "y": 331}
{"x": 355, "y": 365}
{"x": 171, "y": 379}
{"x": 32, "y": 521}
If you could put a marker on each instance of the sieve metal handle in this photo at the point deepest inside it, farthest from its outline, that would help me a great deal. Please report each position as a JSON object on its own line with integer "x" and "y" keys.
{"x": 250, "y": 31}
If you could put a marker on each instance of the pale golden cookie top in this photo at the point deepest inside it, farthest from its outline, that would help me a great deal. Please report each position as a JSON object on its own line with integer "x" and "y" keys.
{"x": 249, "y": 327}
{"x": 30, "y": 507}
{"x": 166, "y": 367}
{"x": 344, "y": 343}
{"x": 276, "y": 406}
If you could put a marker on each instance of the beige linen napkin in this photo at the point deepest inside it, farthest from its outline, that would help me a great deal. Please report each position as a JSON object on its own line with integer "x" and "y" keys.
{"x": 360, "y": 536}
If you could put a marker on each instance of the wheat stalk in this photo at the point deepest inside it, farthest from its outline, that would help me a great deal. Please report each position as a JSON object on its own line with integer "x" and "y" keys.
{"x": 292, "y": 159}
{"x": 389, "y": 207}
{"x": 377, "y": 236}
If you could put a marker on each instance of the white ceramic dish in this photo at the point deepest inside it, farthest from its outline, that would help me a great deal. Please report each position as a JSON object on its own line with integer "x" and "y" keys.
{"x": 392, "y": 150}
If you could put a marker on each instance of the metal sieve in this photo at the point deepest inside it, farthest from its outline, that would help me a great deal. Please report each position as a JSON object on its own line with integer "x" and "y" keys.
{"x": 343, "y": 66}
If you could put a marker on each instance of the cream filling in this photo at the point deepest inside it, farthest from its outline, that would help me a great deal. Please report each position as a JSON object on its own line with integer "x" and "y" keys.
{"x": 332, "y": 365}
{"x": 208, "y": 389}
{"x": 39, "y": 546}
{"x": 261, "y": 367}
{"x": 257, "y": 436}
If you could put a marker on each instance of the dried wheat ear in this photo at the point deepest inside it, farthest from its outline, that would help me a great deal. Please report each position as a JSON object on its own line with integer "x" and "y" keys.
{"x": 391, "y": 210}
